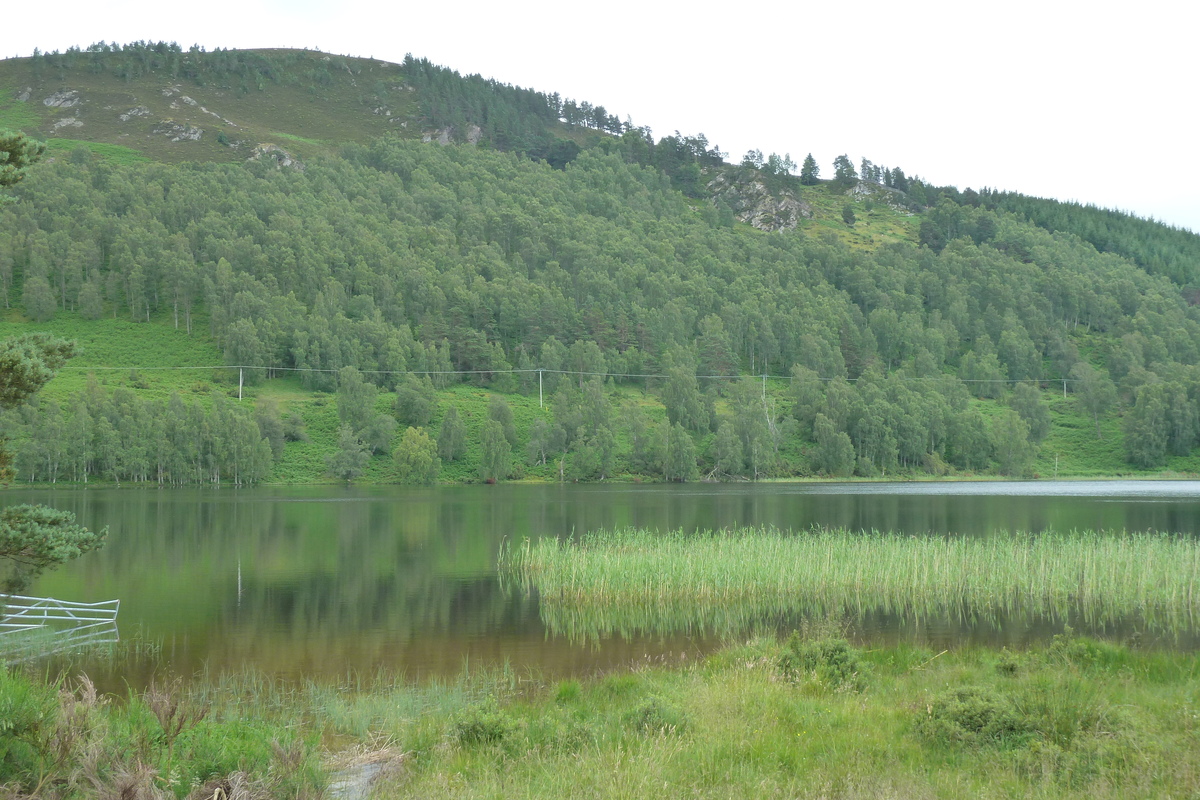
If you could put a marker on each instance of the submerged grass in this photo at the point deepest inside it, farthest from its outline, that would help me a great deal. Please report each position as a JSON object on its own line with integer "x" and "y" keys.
{"x": 621, "y": 581}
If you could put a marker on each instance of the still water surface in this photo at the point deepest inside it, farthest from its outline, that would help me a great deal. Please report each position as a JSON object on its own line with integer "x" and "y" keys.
{"x": 329, "y": 581}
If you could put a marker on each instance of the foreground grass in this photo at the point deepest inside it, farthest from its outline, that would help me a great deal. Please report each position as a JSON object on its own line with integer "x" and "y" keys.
{"x": 637, "y": 580}
{"x": 809, "y": 717}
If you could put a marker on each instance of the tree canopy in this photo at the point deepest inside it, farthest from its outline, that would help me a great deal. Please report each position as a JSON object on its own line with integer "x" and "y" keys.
{"x": 17, "y": 152}
{"x": 34, "y": 538}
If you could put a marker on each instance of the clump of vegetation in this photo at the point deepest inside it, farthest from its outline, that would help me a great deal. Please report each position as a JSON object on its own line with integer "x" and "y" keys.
{"x": 483, "y": 724}
{"x": 67, "y": 740}
{"x": 972, "y": 715}
{"x": 655, "y": 715}
{"x": 828, "y": 661}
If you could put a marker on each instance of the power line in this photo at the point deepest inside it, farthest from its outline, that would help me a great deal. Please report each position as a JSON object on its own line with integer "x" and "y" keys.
{"x": 578, "y": 373}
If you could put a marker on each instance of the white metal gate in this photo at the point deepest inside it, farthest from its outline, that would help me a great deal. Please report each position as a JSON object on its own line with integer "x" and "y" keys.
{"x": 33, "y": 626}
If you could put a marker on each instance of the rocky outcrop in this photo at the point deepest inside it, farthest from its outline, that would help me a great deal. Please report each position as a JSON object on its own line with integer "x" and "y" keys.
{"x": 281, "y": 157}
{"x": 441, "y": 136}
{"x": 62, "y": 99}
{"x": 445, "y": 136}
{"x": 878, "y": 193}
{"x": 177, "y": 132}
{"x": 25, "y": 94}
{"x": 67, "y": 122}
{"x": 747, "y": 194}
{"x": 137, "y": 111}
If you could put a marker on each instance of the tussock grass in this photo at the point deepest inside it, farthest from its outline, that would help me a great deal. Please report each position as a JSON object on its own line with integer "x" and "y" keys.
{"x": 724, "y": 581}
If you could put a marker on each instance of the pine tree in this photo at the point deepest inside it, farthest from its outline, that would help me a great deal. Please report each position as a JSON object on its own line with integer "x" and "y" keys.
{"x": 809, "y": 172}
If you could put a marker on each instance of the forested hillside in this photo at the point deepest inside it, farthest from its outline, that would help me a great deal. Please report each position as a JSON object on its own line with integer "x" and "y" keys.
{"x": 897, "y": 328}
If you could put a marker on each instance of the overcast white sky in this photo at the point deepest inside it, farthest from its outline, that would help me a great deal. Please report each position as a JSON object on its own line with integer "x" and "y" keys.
{"x": 1086, "y": 101}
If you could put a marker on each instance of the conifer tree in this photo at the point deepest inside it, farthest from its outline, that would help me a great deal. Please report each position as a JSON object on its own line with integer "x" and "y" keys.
{"x": 810, "y": 173}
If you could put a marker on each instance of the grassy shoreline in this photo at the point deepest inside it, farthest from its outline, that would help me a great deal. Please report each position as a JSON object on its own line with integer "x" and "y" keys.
{"x": 811, "y": 716}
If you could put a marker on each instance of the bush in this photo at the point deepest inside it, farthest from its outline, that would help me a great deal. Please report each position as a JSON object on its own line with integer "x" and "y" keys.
{"x": 1069, "y": 649}
{"x": 655, "y": 715}
{"x": 485, "y": 724}
{"x": 1050, "y": 710}
{"x": 27, "y": 711}
{"x": 830, "y": 661}
{"x": 972, "y": 716}
{"x": 1009, "y": 663}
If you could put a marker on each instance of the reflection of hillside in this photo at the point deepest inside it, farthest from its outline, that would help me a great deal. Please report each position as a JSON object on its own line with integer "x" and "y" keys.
{"x": 399, "y": 608}
{"x": 391, "y": 575}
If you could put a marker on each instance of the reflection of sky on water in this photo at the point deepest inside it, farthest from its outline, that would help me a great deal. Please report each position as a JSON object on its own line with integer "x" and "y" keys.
{"x": 1097, "y": 489}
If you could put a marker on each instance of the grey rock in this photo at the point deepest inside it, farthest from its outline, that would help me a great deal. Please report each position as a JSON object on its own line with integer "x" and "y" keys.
{"x": 878, "y": 193}
{"x": 274, "y": 152}
{"x": 62, "y": 99}
{"x": 177, "y": 132}
{"x": 752, "y": 202}
{"x": 138, "y": 111}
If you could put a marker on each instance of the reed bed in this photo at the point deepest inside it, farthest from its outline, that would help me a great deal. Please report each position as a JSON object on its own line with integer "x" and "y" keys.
{"x": 634, "y": 580}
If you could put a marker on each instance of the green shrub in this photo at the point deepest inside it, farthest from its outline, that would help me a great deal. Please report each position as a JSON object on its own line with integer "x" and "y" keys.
{"x": 655, "y": 715}
{"x": 27, "y": 711}
{"x": 483, "y": 724}
{"x": 972, "y": 716}
{"x": 1085, "y": 653}
{"x": 1009, "y": 663}
{"x": 830, "y": 661}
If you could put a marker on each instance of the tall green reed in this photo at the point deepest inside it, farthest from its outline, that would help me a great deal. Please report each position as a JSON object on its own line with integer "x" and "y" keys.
{"x": 630, "y": 580}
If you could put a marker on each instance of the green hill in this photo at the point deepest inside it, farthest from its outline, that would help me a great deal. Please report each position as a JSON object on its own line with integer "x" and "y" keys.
{"x": 905, "y": 329}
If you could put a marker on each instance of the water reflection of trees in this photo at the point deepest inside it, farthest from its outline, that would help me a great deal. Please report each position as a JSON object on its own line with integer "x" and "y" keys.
{"x": 396, "y": 576}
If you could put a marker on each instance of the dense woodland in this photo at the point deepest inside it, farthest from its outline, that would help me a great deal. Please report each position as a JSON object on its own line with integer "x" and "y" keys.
{"x": 421, "y": 266}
